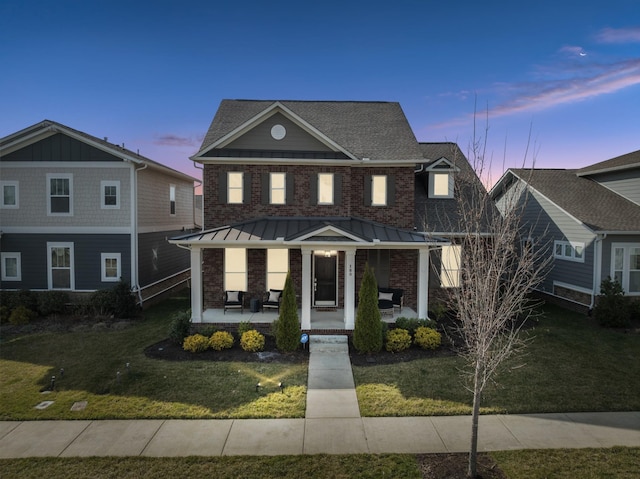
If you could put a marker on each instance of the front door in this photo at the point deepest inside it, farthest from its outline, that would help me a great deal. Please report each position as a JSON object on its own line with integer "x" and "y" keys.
{"x": 325, "y": 270}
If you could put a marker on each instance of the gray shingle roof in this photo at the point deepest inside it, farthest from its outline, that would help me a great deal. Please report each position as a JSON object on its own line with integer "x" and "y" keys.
{"x": 622, "y": 162}
{"x": 374, "y": 130}
{"x": 597, "y": 207}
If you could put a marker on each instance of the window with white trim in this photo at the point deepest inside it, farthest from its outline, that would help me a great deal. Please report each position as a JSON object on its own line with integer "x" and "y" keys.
{"x": 440, "y": 184}
{"x": 60, "y": 266}
{"x": 235, "y": 269}
{"x": 172, "y": 200}
{"x": 60, "y": 194}
{"x": 11, "y": 266}
{"x": 277, "y": 268}
{"x": 625, "y": 266}
{"x": 569, "y": 251}
{"x": 379, "y": 190}
{"x": 450, "y": 266}
{"x": 235, "y": 193}
{"x": 325, "y": 188}
{"x": 110, "y": 267}
{"x": 110, "y": 195}
{"x": 278, "y": 188}
{"x": 10, "y": 194}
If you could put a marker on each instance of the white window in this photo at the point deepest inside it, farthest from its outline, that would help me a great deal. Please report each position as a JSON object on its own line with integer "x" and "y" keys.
{"x": 172, "y": 200}
{"x": 568, "y": 250}
{"x": 625, "y": 266}
{"x": 378, "y": 190}
{"x": 450, "y": 266}
{"x": 11, "y": 267}
{"x": 325, "y": 188}
{"x": 10, "y": 194}
{"x": 235, "y": 269}
{"x": 440, "y": 185}
{"x": 60, "y": 266}
{"x": 110, "y": 195}
{"x": 278, "y": 188}
{"x": 111, "y": 267}
{"x": 60, "y": 194}
{"x": 277, "y": 268}
{"x": 235, "y": 194}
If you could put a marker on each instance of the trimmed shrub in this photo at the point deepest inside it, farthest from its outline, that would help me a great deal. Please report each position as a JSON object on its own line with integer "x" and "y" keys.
{"x": 28, "y": 299}
{"x": 427, "y": 338}
{"x": 52, "y": 302}
{"x": 411, "y": 324}
{"x": 221, "y": 340}
{"x": 180, "y": 326}
{"x": 252, "y": 341}
{"x": 124, "y": 301}
{"x": 367, "y": 333}
{"x": 287, "y": 326}
{"x": 398, "y": 339}
{"x": 195, "y": 343}
{"x": 100, "y": 303}
{"x": 21, "y": 315}
{"x": 612, "y": 309}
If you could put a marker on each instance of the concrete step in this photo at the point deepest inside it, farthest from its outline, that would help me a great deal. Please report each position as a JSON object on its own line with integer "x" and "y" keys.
{"x": 329, "y": 344}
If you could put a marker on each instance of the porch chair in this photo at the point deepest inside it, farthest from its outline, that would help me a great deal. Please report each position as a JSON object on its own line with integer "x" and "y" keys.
{"x": 272, "y": 299}
{"x": 390, "y": 300}
{"x": 234, "y": 300}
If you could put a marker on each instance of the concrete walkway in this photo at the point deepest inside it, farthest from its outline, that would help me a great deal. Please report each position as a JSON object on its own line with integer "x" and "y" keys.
{"x": 332, "y": 426}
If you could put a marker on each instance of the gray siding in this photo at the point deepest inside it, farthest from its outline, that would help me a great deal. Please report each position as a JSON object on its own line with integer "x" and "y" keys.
{"x": 59, "y": 147}
{"x": 158, "y": 259}
{"x": 87, "y": 260}
{"x": 625, "y": 183}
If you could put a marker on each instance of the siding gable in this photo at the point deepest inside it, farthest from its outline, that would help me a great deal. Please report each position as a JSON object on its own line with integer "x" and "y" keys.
{"x": 59, "y": 147}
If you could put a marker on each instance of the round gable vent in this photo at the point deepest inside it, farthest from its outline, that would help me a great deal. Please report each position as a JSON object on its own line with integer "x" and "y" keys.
{"x": 278, "y": 132}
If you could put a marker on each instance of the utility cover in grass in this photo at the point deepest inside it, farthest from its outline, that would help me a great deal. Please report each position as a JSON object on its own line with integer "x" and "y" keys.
{"x": 44, "y": 404}
{"x": 79, "y": 406}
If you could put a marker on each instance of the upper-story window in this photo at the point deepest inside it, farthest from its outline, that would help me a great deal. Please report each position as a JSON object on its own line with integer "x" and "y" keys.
{"x": 110, "y": 193}
{"x": 277, "y": 188}
{"x": 325, "y": 189}
{"x": 10, "y": 190}
{"x": 235, "y": 183}
{"x": 379, "y": 190}
{"x": 569, "y": 251}
{"x": 440, "y": 184}
{"x": 60, "y": 194}
{"x": 172, "y": 200}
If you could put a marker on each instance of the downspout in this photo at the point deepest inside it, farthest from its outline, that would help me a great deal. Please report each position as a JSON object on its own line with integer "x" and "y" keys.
{"x": 134, "y": 231}
{"x": 597, "y": 267}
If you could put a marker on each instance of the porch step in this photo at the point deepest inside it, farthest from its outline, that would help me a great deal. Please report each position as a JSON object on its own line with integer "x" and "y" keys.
{"x": 328, "y": 343}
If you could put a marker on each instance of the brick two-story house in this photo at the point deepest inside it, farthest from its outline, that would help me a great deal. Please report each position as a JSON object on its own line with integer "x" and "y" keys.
{"x": 318, "y": 189}
{"x": 78, "y": 213}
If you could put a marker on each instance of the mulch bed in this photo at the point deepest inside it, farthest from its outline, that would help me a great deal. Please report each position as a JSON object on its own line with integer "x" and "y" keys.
{"x": 454, "y": 466}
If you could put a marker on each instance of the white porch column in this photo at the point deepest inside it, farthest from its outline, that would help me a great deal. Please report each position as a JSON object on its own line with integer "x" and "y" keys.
{"x": 196, "y": 285}
{"x": 306, "y": 290}
{"x": 349, "y": 288}
{"x": 423, "y": 283}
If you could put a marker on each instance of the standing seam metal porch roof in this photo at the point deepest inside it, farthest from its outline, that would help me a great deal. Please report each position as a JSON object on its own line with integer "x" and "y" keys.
{"x": 292, "y": 229}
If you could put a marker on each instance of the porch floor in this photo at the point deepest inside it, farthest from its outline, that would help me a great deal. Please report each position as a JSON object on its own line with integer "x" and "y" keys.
{"x": 331, "y": 320}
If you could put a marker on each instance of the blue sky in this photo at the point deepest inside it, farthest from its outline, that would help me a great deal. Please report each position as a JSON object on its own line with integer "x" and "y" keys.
{"x": 561, "y": 76}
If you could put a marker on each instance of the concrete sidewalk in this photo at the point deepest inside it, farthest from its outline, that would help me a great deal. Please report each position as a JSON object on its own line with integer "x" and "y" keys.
{"x": 160, "y": 438}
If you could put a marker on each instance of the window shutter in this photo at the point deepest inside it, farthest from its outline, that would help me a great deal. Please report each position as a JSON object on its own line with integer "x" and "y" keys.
{"x": 367, "y": 190}
{"x": 337, "y": 189}
{"x": 290, "y": 185}
{"x": 313, "y": 189}
{"x": 222, "y": 187}
{"x": 246, "y": 189}
{"x": 265, "y": 188}
{"x": 391, "y": 190}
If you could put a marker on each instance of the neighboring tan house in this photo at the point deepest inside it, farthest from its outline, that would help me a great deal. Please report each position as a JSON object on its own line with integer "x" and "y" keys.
{"x": 590, "y": 218}
{"x": 319, "y": 189}
{"x": 78, "y": 213}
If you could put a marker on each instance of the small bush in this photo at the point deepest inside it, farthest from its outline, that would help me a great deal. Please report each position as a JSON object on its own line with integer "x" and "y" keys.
{"x": 221, "y": 340}
{"x": 612, "y": 309}
{"x": 180, "y": 326}
{"x": 100, "y": 303}
{"x": 124, "y": 301}
{"x": 5, "y": 313}
{"x": 195, "y": 343}
{"x": 252, "y": 341}
{"x": 52, "y": 302}
{"x": 243, "y": 327}
{"x": 397, "y": 340}
{"x": 427, "y": 338}
{"x": 22, "y": 315}
{"x": 411, "y": 324}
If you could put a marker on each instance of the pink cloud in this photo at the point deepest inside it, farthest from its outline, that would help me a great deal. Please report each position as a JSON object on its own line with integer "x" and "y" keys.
{"x": 619, "y": 35}
{"x": 175, "y": 140}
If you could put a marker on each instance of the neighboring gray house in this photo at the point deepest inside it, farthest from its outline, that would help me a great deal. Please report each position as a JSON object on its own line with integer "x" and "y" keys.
{"x": 592, "y": 218}
{"x": 78, "y": 213}
{"x": 319, "y": 189}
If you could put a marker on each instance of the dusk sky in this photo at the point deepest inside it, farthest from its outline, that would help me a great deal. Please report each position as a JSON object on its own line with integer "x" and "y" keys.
{"x": 151, "y": 74}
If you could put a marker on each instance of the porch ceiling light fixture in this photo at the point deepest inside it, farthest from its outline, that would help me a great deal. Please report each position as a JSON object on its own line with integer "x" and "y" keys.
{"x": 327, "y": 254}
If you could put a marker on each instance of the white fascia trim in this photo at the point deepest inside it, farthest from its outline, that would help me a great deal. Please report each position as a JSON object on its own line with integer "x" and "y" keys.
{"x": 432, "y": 166}
{"x": 39, "y": 134}
{"x": 305, "y": 161}
{"x": 304, "y": 245}
{"x": 103, "y": 230}
{"x": 65, "y": 164}
{"x": 330, "y": 229}
{"x": 609, "y": 170}
{"x": 160, "y": 228}
{"x": 573, "y": 287}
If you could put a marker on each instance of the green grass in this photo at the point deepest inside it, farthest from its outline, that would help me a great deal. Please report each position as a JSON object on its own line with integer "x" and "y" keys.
{"x": 571, "y": 364}
{"x": 618, "y": 462}
{"x": 151, "y": 389}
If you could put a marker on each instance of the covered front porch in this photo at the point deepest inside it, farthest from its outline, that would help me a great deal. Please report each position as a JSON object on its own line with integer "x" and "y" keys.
{"x": 320, "y": 319}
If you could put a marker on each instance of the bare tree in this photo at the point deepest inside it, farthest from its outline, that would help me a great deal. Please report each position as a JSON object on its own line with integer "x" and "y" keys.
{"x": 499, "y": 265}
